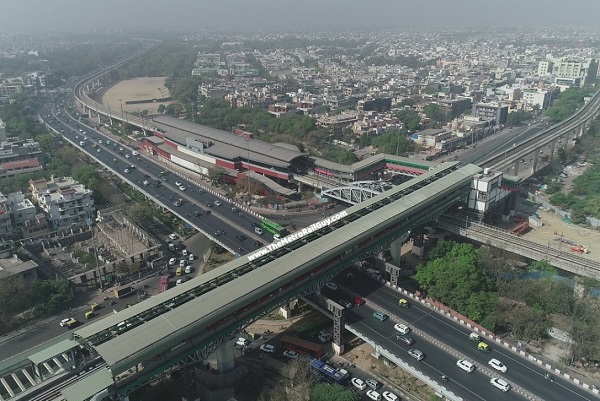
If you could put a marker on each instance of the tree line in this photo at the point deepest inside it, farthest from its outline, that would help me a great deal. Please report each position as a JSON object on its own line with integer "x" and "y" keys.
{"x": 487, "y": 286}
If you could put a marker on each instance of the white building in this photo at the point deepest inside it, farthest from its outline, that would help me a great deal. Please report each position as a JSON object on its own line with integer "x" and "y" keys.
{"x": 21, "y": 208}
{"x": 541, "y": 97}
{"x": 65, "y": 202}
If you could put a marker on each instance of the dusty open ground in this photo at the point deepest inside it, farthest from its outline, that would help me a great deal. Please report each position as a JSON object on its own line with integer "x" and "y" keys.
{"x": 561, "y": 235}
{"x": 136, "y": 89}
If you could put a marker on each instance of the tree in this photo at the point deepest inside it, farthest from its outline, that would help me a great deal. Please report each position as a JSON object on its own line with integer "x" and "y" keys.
{"x": 456, "y": 280}
{"x": 517, "y": 117}
{"x": 335, "y": 392}
{"x": 392, "y": 141}
{"x": 140, "y": 214}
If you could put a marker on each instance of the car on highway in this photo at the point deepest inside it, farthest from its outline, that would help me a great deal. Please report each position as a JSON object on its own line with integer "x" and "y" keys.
{"x": 465, "y": 365}
{"x": 380, "y": 316}
{"x": 63, "y": 323}
{"x": 496, "y": 364}
{"x": 408, "y": 340}
{"x": 178, "y": 183}
{"x": 345, "y": 303}
{"x": 359, "y": 301}
{"x": 500, "y": 383}
{"x": 208, "y": 204}
{"x": 331, "y": 285}
{"x": 217, "y": 203}
{"x": 244, "y": 342}
{"x": 403, "y": 303}
{"x": 291, "y": 354}
{"x": 181, "y": 281}
{"x": 358, "y": 383}
{"x": 401, "y": 328}
{"x": 126, "y": 170}
{"x": 389, "y": 396}
{"x": 268, "y": 348}
{"x": 181, "y": 187}
{"x": 374, "y": 395}
{"x": 415, "y": 353}
{"x": 173, "y": 236}
{"x": 127, "y": 156}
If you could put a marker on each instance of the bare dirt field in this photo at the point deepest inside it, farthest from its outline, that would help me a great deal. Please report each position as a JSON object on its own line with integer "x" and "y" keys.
{"x": 561, "y": 235}
{"x": 136, "y": 89}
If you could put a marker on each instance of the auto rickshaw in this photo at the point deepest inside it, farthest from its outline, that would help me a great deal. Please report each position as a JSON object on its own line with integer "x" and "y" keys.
{"x": 483, "y": 347}
{"x": 403, "y": 303}
{"x": 89, "y": 314}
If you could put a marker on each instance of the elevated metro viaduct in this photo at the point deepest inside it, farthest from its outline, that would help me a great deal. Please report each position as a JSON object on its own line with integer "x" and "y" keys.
{"x": 184, "y": 325}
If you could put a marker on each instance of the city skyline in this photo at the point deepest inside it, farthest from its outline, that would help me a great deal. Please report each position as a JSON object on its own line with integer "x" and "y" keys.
{"x": 265, "y": 15}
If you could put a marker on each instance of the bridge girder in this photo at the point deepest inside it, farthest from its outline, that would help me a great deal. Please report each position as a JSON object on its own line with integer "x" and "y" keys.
{"x": 356, "y": 192}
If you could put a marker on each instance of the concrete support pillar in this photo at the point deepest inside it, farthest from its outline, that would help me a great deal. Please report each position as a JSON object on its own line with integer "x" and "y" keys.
{"x": 394, "y": 273}
{"x": 516, "y": 166}
{"x": 536, "y": 159}
{"x": 418, "y": 244}
{"x": 225, "y": 358}
{"x": 99, "y": 120}
{"x": 508, "y": 207}
{"x": 338, "y": 331}
{"x": 396, "y": 249}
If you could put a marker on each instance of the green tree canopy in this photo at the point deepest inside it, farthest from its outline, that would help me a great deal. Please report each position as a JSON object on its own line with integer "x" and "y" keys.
{"x": 393, "y": 142}
{"x": 332, "y": 392}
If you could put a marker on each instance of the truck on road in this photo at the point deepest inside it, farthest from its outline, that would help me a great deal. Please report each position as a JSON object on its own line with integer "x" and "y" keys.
{"x": 124, "y": 291}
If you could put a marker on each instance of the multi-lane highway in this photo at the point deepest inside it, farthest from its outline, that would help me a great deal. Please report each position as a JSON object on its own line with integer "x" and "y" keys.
{"x": 230, "y": 226}
{"x": 452, "y": 342}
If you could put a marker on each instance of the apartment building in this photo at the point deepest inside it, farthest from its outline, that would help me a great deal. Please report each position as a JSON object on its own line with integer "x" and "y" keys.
{"x": 64, "y": 201}
{"x": 6, "y": 227}
{"x": 22, "y": 209}
{"x": 491, "y": 111}
{"x": 585, "y": 69}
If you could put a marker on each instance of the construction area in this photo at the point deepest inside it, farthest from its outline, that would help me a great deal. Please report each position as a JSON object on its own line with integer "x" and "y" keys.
{"x": 136, "y": 95}
{"x": 120, "y": 246}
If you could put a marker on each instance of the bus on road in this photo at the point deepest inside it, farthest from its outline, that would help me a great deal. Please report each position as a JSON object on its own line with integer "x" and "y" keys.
{"x": 327, "y": 373}
{"x": 273, "y": 228}
{"x": 302, "y": 347}
{"x": 124, "y": 291}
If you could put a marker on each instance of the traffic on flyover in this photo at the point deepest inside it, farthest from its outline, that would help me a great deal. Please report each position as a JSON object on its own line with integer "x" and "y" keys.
{"x": 234, "y": 229}
{"x": 445, "y": 341}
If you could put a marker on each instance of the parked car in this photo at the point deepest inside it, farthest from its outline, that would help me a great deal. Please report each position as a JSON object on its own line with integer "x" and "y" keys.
{"x": 173, "y": 236}
{"x": 331, "y": 285}
{"x": 389, "y": 396}
{"x": 291, "y": 354}
{"x": 374, "y": 395}
{"x": 268, "y": 348}
{"x": 244, "y": 342}
{"x": 358, "y": 383}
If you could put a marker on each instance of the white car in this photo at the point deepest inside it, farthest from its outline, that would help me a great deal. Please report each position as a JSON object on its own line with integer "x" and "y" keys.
{"x": 63, "y": 322}
{"x": 359, "y": 384}
{"x": 496, "y": 364}
{"x": 244, "y": 342}
{"x": 100, "y": 141}
{"x": 127, "y": 156}
{"x": 402, "y": 328}
{"x": 415, "y": 353}
{"x": 126, "y": 170}
{"x": 172, "y": 261}
{"x": 182, "y": 188}
{"x": 465, "y": 365}
{"x": 173, "y": 236}
{"x": 389, "y": 396}
{"x": 331, "y": 285}
{"x": 374, "y": 395}
{"x": 291, "y": 354}
{"x": 217, "y": 203}
{"x": 181, "y": 281}
{"x": 268, "y": 348}
{"x": 178, "y": 183}
{"x": 500, "y": 383}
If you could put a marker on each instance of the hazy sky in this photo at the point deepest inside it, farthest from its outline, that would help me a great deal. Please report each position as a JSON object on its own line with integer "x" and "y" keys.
{"x": 296, "y": 15}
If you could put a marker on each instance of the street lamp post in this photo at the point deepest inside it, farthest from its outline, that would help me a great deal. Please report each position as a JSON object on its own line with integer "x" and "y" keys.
{"x": 248, "y": 173}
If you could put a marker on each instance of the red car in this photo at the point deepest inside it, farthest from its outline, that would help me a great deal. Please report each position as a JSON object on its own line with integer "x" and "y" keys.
{"x": 359, "y": 301}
